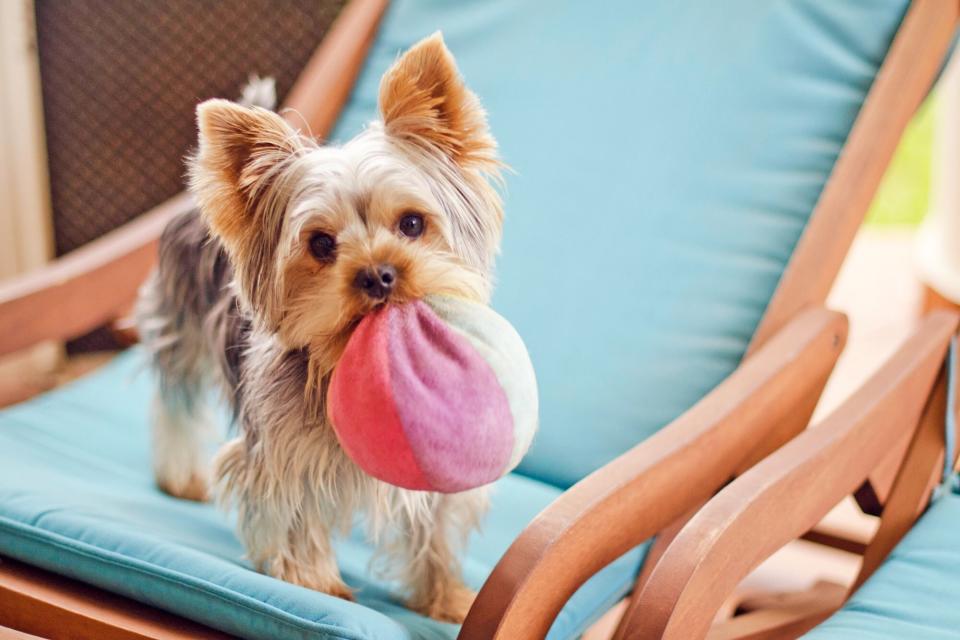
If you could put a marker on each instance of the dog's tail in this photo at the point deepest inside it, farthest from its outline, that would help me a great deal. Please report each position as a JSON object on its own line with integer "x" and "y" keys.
{"x": 259, "y": 92}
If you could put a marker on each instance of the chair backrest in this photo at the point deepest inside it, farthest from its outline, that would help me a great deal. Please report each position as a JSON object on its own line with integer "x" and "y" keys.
{"x": 668, "y": 156}
{"x": 120, "y": 85}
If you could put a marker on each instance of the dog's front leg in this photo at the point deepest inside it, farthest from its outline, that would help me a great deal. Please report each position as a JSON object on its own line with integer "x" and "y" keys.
{"x": 281, "y": 524}
{"x": 433, "y": 573}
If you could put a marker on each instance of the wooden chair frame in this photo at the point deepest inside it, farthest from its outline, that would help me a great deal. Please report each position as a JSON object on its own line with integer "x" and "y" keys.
{"x": 764, "y": 403}
{"x": 791, "y": 490}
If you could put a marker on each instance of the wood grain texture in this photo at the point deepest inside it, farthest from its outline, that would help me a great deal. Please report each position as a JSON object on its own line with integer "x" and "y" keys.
{"x": 918, "y": 474}
{"x": 51, "y": 606}
{"x": 639, "y": 493}
{"x": 873, "y": 493}
{"x": 783, "y": 615}
{"x": 97, "y": 283}
{"x": 846, "y": 541}
{"x": 86, "y": 288}
{"x": 782, "y": 430}
{"x": 904, "y": 79}
{"x": 789, "y": 492}
{"x": 6, "y": 633}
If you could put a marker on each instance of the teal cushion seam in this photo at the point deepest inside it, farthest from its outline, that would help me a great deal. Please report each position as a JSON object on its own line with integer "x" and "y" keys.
{"x": 47, "y": 539}
{"x": 199, "y": 586}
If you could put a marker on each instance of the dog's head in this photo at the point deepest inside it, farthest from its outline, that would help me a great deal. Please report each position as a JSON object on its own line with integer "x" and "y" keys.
{"x": 320, "y": 235}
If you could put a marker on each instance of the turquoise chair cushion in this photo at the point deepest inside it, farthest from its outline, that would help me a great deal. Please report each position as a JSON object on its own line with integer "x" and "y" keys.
{"x": 77, "y": 497}
{"x": 914, "y": 593}
{"x": 667, "y": 156}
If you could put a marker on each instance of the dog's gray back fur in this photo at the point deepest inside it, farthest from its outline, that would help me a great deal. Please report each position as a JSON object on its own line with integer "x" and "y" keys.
{"x": 188, "y": 314}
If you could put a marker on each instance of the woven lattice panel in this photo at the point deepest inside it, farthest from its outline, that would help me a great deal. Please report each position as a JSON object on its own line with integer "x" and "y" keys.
{"x": 120, "y": 82}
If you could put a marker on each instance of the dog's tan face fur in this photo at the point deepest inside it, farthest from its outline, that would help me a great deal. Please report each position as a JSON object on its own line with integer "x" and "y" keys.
{"x": 306, "y": 226}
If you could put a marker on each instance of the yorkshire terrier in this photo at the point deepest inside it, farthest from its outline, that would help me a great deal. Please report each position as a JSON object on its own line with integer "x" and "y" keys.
{"x": 257, "y": 292}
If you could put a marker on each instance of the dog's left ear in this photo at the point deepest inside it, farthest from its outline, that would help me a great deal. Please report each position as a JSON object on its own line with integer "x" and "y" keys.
{"x": 423, "y": 99}
{"x": 240, "y": 149}
{"x": 242, "y": 155}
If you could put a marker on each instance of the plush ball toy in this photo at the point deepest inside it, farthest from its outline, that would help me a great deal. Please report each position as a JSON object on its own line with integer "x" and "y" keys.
{"x": 437, "y": 394}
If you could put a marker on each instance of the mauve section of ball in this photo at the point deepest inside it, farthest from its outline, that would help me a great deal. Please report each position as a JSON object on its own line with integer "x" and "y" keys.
{"x": 452, "y": 408}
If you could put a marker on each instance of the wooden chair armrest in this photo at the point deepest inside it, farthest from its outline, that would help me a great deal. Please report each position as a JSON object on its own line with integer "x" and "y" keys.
{"x": 639, "y": 493}
{"x": 87, "y": 287}
{"x": 788, "y": 492}
{"x": 94, "y": 284}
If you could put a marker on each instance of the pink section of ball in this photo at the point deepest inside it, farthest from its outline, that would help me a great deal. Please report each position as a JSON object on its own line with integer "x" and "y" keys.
{"x": 415, "y": 405}
{"x": 361, "y": 408}
{"x": 453, "y": 410}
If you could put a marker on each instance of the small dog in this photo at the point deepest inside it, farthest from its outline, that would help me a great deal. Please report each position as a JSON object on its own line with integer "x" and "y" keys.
{"x": 257, "y": 293}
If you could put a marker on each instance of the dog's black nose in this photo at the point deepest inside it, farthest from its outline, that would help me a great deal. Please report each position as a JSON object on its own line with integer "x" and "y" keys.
{"x": 376, "y": 282}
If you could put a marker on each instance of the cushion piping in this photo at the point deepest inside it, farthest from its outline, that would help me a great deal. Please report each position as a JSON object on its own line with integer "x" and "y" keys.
{"x": 198, "y": 585}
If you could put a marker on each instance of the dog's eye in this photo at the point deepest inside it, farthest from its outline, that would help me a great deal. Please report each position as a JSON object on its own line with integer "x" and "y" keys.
{"x": 322, "y": 246}
{"x": 411, "y": 225}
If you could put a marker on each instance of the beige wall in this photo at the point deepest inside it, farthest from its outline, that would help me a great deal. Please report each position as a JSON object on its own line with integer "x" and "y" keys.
{"x": 24, "y": 192}
{"x": 25, "y": 221}
{"x": 938, "y": 243}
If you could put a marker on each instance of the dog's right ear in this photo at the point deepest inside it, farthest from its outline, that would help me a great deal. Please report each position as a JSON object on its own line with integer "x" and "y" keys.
{"x": 241, "y": 150}
{"x": 424, "y": 99}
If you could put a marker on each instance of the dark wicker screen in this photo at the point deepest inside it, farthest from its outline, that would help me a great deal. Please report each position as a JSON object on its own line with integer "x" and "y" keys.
{"x": 121, "y": 79}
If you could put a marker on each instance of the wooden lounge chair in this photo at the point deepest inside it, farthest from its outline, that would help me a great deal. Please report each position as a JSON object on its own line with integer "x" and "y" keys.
{"x": 689, "y": 180}
{"x": 906, "y": 585}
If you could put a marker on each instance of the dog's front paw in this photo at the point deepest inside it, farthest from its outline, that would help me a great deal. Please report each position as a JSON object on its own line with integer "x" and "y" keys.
{"x": 450, "y": 604}
{"x": 325, "y": 580}
{"x": 337, "y": 588}
{"x": 192, "y": 487}
{"x": 340, "y": 591}
{"x": 179, "y": 464}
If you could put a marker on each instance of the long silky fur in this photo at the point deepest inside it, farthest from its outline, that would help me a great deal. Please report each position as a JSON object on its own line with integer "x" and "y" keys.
{"x": 236, "y": 303}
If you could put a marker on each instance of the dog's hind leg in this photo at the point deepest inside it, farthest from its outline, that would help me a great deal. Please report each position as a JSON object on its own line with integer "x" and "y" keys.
{"x": 179, "y": 310}
{"x": 181, "y": 428}
{"x": 181, "y": 434}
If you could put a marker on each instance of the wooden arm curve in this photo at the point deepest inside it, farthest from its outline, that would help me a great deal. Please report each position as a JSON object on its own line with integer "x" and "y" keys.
{"x": 87, "y": 287}
{"x": 96, "y": 283}
{"x": 636, "y": 495}
{"x": 788, "y": 492}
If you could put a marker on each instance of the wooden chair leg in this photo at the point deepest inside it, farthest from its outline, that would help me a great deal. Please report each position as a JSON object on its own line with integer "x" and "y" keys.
{"x": 920, "y": 472}
{"x": 781, "y": 616}
{"x": 847, "y": 541}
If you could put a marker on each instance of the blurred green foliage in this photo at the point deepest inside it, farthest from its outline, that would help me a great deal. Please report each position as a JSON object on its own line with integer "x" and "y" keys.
{"x": 904, "y": 193}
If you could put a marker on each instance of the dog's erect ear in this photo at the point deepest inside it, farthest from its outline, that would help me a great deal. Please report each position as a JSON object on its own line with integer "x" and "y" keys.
{"x": 240, "y": 151}
{"x": 424, "y": 99}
